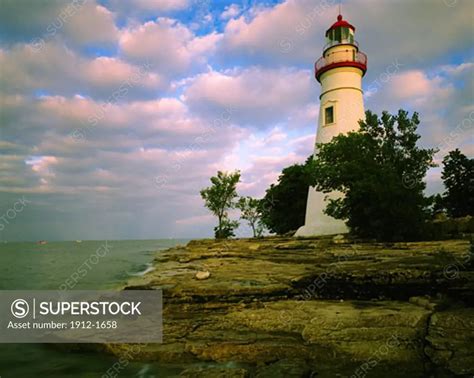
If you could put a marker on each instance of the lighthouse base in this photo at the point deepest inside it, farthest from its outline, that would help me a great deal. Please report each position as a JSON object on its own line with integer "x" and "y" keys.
{"x": 321, "y": 230}
{"x": 318, "y": 223}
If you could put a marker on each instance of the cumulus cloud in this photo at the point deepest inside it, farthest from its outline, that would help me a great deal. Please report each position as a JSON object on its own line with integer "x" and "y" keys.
{"x": 231, "y": 11}
{"x": 166, "y": 43}
{"x": 289, "y": 32}
{"x": 27, "y": 21}
{"x": 102, "y": 29}
{"x": 24, "y": 20}
{"x": 412, "y": 32}
{"x": 59, "y": 70}
{"x": 114, "y": 165}
{"x": 258, "y": 97}
{"x": 292, "y": 32}
{"x": 443, "y": 97}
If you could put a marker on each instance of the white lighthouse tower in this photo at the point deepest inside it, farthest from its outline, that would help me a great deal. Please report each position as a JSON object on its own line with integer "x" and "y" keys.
{"x": 339, "y": 71}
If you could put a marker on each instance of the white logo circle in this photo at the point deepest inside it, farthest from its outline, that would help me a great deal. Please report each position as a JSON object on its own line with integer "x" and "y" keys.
{"x": 20, "y": 308}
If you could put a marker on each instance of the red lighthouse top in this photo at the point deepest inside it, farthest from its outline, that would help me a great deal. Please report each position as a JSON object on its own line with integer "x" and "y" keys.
{"x": 340, "y": 23}
{"x": 341, "y": 49}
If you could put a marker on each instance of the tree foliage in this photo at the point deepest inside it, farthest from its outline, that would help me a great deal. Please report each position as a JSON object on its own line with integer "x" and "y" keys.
{"x": 219, "y": 198}
{"x": 226, "y": 228}
{"x": 458, "y": 178}
{"x": 284, "y": 205}
{"x": 251, "y": 212}
{"x": 379, "y": 169}
{"x": 436, "y": 205}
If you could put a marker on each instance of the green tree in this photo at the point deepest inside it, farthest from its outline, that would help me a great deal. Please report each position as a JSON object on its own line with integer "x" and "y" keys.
{"x": 380, "y": 171}
{"x": 436, "y": 205}
{"x": 284, "y": 205}
{"x": 226, "y": 229}
{"x": 251, "y": 212}
{"x": 458, "y": 178}
{"x": 219, "y": 198}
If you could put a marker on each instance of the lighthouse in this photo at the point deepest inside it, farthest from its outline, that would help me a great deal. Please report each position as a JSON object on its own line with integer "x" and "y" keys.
{"x": 339, "y": 71}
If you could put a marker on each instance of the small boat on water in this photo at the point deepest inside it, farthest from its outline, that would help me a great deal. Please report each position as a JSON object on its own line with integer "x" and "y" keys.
{"x": 41, "y": 242}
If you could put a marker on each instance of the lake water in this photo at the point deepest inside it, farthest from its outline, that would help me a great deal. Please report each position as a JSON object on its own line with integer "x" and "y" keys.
{"x": 25, "y": 266}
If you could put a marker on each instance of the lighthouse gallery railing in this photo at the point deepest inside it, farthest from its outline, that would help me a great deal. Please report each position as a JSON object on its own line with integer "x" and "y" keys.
{"x": 340, "y": 57}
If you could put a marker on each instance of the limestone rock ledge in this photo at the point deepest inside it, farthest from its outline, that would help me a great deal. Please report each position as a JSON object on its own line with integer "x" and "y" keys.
{"x": 285, "y": 307}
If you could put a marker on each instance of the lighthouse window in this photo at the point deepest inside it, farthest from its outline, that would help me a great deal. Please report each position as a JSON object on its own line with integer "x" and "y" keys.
{"x": 345, "y": 34}
{"x": 329, "y": 115}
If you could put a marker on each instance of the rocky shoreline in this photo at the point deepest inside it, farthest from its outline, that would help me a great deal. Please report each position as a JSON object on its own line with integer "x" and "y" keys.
{"x": 315, "y": 307}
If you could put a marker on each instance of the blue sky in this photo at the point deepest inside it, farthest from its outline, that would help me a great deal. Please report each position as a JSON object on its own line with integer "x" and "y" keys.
{"x": 114, "y": 113}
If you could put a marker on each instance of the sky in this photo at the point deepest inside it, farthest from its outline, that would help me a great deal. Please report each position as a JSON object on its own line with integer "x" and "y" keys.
{"x": 115, "y": 113}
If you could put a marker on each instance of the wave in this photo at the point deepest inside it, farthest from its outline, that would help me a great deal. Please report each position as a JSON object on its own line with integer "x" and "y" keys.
{"x": 147, "y": 268}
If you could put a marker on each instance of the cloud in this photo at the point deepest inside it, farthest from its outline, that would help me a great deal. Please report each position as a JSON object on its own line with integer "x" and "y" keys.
{"x": 113, "y": 170}
{"x": 57, "y": 69}
{"x": 109, "y": 73}
{"x": 292, "y": 32}
{"x": 264, "y": 171}
{"x": 195, "y": 220}
{"x": 27, "y": 21}
{"x": 231, "y": 11}
{"x": 164, "y": 123}
{"x": 102, "y": 30}
{"x": 273, "y": 35}
{"x": 166, "y": 139}
{"x": 257, "y": 96}
{"x": 408, "y": 33}
{"x": 442, "y": 97}
{"x": 134, "y": 8}
{"x": 416, "y": 87}
{"x": 169, "y": 45}
{"x": 24, "y": 20}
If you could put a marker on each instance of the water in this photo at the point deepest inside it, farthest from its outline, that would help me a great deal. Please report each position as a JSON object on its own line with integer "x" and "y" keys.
{"x": 28, "y": 266}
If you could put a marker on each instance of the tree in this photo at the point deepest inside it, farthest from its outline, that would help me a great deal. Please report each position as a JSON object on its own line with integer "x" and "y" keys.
{"x": 226, "y": 229}
{"x": 251, "y": 212}
{"x": 284, "y": 205}
{"x": 219, "y": 198}
{"x": 458, "y": 178}
{"x": 436, "y": 205}
{"x": 380, "y": 170}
